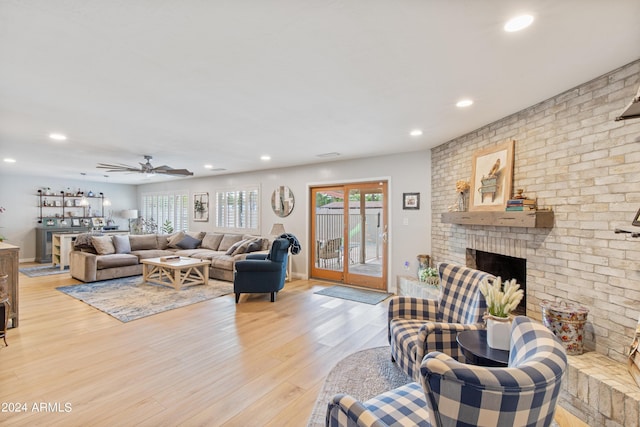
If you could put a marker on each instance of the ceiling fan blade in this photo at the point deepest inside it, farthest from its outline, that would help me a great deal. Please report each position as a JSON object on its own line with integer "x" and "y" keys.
{"x": 172, "y": 171}
{"x": 117, "y": 168}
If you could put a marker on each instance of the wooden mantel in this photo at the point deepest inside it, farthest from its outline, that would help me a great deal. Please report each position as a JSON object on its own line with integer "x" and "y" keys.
{"x": 535, "y": 219}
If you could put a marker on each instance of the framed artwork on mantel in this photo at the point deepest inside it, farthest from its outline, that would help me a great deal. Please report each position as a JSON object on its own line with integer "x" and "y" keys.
{"x": 491, "y": 178}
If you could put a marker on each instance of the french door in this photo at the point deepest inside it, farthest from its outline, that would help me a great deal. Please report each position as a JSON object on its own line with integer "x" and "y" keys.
{"x": 349, "y": 232}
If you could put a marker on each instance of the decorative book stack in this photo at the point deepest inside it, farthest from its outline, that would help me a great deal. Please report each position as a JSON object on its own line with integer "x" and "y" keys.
{"x": 521, "y": 205}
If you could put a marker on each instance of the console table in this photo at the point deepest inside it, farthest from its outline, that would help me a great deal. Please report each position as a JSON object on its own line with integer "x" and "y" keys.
{"x": 473, "y": 345}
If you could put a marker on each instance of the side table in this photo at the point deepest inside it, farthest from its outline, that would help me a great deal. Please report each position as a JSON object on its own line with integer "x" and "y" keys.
{"x": 475, "y": 349}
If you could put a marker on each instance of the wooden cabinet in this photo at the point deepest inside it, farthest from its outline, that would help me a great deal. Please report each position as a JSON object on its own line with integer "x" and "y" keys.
{"x": 9, "y": 266}
{"x": 44, "y": 241}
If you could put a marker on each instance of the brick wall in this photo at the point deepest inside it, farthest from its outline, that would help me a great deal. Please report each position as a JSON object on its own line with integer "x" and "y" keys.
{"x": 573, "y": 157}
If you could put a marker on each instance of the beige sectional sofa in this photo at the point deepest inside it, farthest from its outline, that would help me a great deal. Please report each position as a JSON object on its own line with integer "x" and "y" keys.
{"x": 98, "y": 257}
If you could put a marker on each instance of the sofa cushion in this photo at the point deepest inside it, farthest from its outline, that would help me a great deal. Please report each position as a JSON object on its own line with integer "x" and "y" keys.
{"x": 163, "y": 240}
{"x": 228, "y": 240}
{"x": 152, "y": 253}
{"x": 195, "y": 234}
{"x": 115, "y": 260}
{"x": 223, "y": 262}
{"x": 189, "y": 242}
{"x": 103, "y": 245}
{"x": 212, "y": 241}
{"x": 122, "y": 244}
{"x": 143, "y": 242}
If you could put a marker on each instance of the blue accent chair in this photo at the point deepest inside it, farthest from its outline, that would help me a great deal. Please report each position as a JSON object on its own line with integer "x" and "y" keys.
{"x": 451, "y": 393}
{"x": 260, "y": 273}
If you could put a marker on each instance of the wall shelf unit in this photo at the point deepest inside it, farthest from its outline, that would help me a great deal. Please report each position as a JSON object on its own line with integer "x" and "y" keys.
{"x": 532, "y": 219}
{"x": 61, "y": 206}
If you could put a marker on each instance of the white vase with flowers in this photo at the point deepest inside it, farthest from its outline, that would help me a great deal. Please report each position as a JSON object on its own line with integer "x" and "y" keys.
{"x": 501, "y": 300}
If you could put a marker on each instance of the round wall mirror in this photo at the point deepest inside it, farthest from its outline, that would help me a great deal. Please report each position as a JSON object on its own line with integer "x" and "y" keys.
{"x": 282, "y": 201}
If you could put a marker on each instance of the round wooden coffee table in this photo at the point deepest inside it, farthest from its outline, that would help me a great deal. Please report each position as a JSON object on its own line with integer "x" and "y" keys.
{"x": 473, "y": 345}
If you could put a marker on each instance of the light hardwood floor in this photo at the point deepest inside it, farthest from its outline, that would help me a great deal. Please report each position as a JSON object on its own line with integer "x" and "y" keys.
{"x": 213, "y": 363}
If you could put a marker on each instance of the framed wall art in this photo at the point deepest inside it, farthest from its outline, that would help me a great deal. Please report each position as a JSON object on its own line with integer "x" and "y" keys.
{"x": 636, "y": 219}
{"x": 491, "y": 178}
{"x": 201, "y": 207}
{"x": 410, "y": 201}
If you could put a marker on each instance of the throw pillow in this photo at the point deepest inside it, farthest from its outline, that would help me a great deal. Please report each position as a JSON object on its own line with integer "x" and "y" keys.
{"x": 122, "y": 244}
{"x": 228, "y": 240}
{"x": 244, "y": 245}
{"x": 235, "y": 246}
{"x": 254, "y": 246}
{"x": 196, "y": 234}
{"x": 103, "y": 245}
{"x": 175, "y": 238}
{"x": 189, "y": 242}
{"x": 212, "y": 241}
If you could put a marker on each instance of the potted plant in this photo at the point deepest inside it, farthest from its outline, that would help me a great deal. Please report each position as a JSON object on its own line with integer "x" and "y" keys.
{"x": 429, "y": 275}
{"x": 501, "y": 300}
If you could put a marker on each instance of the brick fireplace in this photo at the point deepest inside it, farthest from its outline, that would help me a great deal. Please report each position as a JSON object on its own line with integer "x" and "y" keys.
{"x": 573, "y": 157}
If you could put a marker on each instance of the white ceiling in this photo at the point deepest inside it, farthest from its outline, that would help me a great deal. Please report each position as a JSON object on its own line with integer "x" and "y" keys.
{"x": 192, "y": 82}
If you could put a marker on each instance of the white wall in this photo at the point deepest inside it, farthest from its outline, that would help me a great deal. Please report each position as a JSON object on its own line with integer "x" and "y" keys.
{"x": 406, "y": 173}
{"x": 18, "y": 195}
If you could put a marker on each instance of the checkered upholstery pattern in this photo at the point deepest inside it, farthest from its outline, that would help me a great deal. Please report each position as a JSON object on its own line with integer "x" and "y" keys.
{"x": 523, "y": 394}
{"x": 417, "y": 326}
{"x": 403, "y": 406}
{"x": 454, "y": 394}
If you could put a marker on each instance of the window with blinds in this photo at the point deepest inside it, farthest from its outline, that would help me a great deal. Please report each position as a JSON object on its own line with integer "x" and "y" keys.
{"x": 238, "y": 210}
{"x": 160, "y": 207}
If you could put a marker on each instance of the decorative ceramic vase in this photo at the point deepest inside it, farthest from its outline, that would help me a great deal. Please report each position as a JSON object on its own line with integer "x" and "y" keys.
{"x": 498, "y": 332}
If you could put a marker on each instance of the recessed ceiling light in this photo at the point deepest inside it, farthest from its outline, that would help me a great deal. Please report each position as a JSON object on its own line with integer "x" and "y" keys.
{"x": 265, "y": 157}
{"x": 58, "y": 137}
{"x": 464, "y": 103}
{"x": 518, "y": 23}
{"x": 415, "y": 132}
{"x": 9, "y": 160}
{"x": 208, "y": 166}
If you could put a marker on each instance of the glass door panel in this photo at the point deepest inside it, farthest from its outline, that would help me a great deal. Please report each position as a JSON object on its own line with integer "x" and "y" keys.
{"x": 366, "y": 236}
{"x": 327, "y": 232}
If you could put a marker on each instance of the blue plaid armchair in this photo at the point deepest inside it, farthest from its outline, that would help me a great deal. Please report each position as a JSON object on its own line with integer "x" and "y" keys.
{"x": 455, "y": 394}
{"x": 418, "y": 326}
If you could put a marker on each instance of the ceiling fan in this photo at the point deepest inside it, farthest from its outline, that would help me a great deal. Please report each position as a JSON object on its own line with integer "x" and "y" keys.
{"x": 146, "y": 168}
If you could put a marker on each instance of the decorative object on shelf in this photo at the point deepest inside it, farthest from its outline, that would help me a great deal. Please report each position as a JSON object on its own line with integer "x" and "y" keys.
{"x": 520, "y": 205}
{"x": 501, "y": 301}
{"x": 201, "y": 207}
{"x": 634, "y": 356}
{"x": 636, "y": 220}
{"x": 282, "y": 201}
{"x": 462, "y": 187}
{"x": 519, "y": 194}
{"x": 491, "y": 178}
{"x": 97, "y": 222}
{"x": 426, "y": 273}
{"x": 75, "y": 222}
{"x": 411, "y": 201}
{"x": 567, "y": 321}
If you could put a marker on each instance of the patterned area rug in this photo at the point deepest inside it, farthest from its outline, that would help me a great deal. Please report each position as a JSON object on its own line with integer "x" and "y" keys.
{"x": 42, "y": 270}
{"x": 130, "y": 298}
{"x": 354, "y": 294}
{"x": 363, "y": 375}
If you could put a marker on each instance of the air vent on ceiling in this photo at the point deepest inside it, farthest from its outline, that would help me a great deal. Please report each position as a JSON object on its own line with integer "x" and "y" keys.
{"x": 332, "y": 154}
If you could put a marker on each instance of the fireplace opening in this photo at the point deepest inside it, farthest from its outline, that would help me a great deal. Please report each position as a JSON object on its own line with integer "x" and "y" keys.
{"x": 507, "y": 267}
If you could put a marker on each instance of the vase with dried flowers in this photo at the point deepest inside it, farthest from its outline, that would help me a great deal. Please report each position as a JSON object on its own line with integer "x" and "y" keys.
{"x": 462, "y": 187}
{"x": 501, "y": 300}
